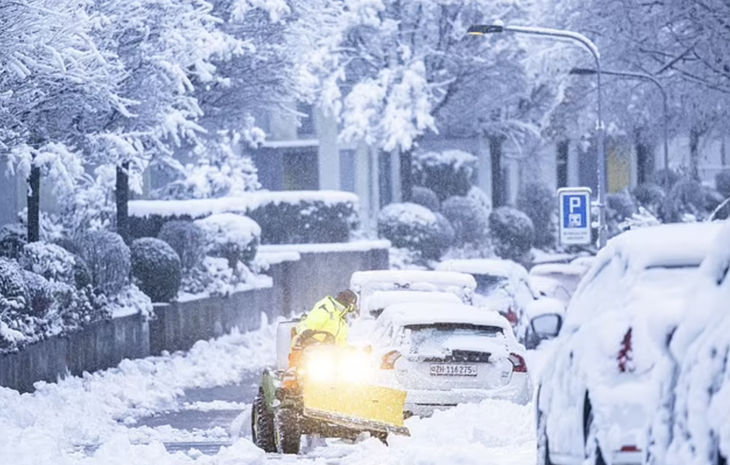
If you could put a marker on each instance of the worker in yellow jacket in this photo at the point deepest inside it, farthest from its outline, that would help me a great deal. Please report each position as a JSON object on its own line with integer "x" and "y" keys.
{"x": 329, "y": 315}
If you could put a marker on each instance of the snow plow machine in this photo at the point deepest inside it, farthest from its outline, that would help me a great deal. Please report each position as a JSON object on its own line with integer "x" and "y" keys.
{"x": 320, "y": 389}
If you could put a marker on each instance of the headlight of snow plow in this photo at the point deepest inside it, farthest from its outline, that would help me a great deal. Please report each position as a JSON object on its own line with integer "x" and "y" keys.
{"x": 342, "y": 366}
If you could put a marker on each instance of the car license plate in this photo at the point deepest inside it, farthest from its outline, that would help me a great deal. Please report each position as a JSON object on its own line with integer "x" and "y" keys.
{"x": 452, "y": 369}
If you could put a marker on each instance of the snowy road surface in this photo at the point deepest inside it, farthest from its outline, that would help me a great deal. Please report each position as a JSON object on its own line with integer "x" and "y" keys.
{"x": 193, "y": 408}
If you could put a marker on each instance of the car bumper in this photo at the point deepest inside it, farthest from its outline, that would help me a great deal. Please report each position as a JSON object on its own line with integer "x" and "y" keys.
{"x": 424, "y": 403}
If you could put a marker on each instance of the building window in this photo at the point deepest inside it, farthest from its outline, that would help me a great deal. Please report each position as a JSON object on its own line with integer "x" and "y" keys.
{"x": 301, "y": 169}
{"x": 306, "y": 127}
{"x": 347, "y": 170}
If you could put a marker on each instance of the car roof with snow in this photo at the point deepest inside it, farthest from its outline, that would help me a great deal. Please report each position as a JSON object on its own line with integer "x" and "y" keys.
{"x": 491, "y": 266}
{"x": 548, "y": 269}
{"x": 382, "y": 299}
{"x": 406, "y": 278}
{"x": 421, "y": 313}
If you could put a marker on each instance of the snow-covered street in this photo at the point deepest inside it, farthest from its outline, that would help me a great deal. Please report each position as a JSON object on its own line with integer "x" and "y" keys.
{"x": 156, "y": 409}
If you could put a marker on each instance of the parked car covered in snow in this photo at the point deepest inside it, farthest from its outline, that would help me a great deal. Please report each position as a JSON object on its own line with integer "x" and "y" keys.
{"x": 447, "y": 354}
{"x": 596, "y": 392}
{"x": 368, "y": 283}
{"x": 504, "y": 286}
{"x": 692, "y": 423}
{"x": 567, "y": 276}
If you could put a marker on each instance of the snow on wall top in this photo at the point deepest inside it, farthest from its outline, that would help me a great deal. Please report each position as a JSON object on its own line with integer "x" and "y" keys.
{"x": 357, "y": 246}
{"x": 483, "y": 266}
{"x": 197, "y": 208}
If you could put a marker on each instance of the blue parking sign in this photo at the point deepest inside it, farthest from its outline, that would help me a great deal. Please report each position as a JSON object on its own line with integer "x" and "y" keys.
{"x": 575, "y": 215}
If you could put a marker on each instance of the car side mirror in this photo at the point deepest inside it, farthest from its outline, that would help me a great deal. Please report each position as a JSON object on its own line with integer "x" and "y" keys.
{"x": 547, "y": 326}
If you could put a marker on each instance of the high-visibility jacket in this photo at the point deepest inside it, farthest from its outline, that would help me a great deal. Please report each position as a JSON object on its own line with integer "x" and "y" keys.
{"x": 327, "y": 315}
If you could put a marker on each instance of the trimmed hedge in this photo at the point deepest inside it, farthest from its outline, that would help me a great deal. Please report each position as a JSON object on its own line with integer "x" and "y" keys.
{"x": 296, "y": 217}
{"x": 414, "y": 227}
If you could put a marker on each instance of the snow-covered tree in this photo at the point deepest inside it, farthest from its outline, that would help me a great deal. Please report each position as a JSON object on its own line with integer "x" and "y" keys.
{"x": 164, "y": 46}
{"x": 392, "y": 71}
{"x": 54, "y": 83}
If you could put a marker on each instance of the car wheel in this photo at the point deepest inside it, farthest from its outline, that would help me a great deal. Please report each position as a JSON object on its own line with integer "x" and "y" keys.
{"x": 543, "y": 452}
{"x": 287, "y": 431}
{"x": 592, "y": 452}
{"x": 262, "y": 424}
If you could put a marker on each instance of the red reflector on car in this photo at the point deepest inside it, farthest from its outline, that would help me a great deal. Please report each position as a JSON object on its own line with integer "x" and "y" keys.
{"x": 630, "y": 449}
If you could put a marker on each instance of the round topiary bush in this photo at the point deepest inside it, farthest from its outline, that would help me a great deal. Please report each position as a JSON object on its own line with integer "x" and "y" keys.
{"x": 512, "y": 234}
{"x": 469, "y": 220}
{"x": 413, "y": 227}
{"x": 51, "y": 261}
{"x": 12, "y": 241}
{"x": 233, "y": 237}
{"x": 156, "y": 268}
{"x": 660, "y": 178}
{"x": 619, "y": 207}
{"x": 650, "y": 196}
{"x": 447, "y": 173}
{"x": 540, "y": 203}
{"x": 446, "y": 231}
{"x": 188, "y": 240}
{"x": 425, "y": 197}
{"x": 108, "y": 259}
{"x": 40, "y": 294}
{"x": 687, "y": 197}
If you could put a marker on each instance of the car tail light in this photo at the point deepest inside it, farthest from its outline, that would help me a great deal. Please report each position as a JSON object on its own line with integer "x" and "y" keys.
{"x": 511, "y": 316}
{"x": 625, "y": 355}
{"x": 630, "y": 449}
{"x": 389, "y": 360}
{"x": 518, "y": 363}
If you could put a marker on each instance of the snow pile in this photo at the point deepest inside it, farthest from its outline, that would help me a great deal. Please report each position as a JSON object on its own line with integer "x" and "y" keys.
{"x": 492, "y": 432}
{"x": 50, "y": 424}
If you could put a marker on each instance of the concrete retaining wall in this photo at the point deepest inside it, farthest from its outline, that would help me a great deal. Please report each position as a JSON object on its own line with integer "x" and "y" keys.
{"x": 298, "y": 284}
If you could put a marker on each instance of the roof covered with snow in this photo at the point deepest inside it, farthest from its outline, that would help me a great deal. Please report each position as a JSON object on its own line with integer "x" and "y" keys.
{"x": 382, "y": 299}
{"x": 406, "y": 278}
{"x": 416, "y": 313}
{"x": 667, "y": 245}
{"x": 489, "y": 266}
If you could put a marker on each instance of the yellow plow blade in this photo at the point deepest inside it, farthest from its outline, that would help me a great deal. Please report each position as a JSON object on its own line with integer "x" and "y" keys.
{"x": 359, "y": 406}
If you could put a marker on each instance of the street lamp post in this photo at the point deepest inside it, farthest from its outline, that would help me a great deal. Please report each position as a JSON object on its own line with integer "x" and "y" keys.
{"x": 665, "y": 115}
{"x": 481, "y": 29}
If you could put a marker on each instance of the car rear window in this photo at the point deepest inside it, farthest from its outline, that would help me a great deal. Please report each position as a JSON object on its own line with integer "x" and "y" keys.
{"x": 430, "y": 337}
{"x": 486, "y": 283}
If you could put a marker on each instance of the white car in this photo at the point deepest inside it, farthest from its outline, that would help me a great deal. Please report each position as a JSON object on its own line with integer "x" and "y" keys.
{"x": 568, "y": 276}
{"x": 596, "y": 392}
{"x": 692, "y": 424}
{"x": 504, "y": 286}
{"x": 448, "y": 354}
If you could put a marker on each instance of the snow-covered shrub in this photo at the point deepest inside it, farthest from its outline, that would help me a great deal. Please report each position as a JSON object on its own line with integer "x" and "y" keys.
{"x": 512, "y": 234}
{"x": 445, "y": 230}
{"x": 233, "y": 237}
{"x": 649, "y": 196}
{"x": 187, "y": 239}
{"x": 659, "y": 178}
{"x": 51, "y": 261}
{"x": 411, "y": 226}
{"x": 447, "y": 173}
{"x": 156, "y": 268}
{"x": 469, "y": 220}
{"x": 619, "y": 207}
{"x": 685, "y": 199}
{"x": 51, "y": 225}
{"x": 218, "y": 171}
{"x": 643, "y": 219}
{"x": 13, "y": 291}
{"x": 425, "y": 197}
{"x": 722, "y": 183}
{"x": 40, "y": 294}
{"x": 481, "y": 197}
{"x": 107, "y": 257}
{"x": 12, "y": 240}
{"x": 540, "y": 203}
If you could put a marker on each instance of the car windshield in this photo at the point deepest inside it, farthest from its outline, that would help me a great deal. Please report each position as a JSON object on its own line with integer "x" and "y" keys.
{"x": 487, "y": 283}
{"x": 432, "y": 337}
